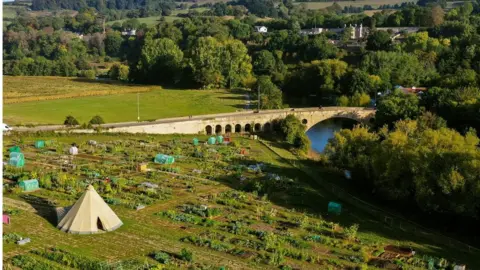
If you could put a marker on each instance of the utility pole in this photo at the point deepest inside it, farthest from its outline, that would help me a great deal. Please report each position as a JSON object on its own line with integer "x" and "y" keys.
{"x": 258, "y": 104}
{"x": 138, "y": 107}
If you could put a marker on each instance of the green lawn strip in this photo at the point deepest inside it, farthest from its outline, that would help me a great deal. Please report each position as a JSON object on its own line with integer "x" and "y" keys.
{"x": 123, "y": 107}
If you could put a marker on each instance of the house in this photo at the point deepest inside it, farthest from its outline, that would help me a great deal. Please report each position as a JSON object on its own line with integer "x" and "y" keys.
{"x": 261, "y": 29}
{"x": 312, "y": 31}
{"x": 411, "y": 90}
{"x": 131, "y": 32}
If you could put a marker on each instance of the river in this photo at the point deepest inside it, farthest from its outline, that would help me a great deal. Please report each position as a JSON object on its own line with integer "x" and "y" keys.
{"x": 321, "y": 132}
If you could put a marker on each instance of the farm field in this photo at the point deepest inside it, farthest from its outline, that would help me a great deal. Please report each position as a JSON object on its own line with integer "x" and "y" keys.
{"x": 238, "y": 206}
{"x": 373, "y": 3}
{"x": 114, "y": 102}
{"x": 156, "y": 19}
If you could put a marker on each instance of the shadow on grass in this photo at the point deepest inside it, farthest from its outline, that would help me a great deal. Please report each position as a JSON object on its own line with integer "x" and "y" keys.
{"x": 43, "y": 208}
{"x": 306, "y": 194}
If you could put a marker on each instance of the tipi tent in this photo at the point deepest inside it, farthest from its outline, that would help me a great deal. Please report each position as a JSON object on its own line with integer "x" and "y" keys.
{"x": 90, "y": 214}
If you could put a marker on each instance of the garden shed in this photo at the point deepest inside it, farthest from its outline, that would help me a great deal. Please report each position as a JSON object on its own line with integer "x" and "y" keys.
{"x": 16, "y": 159}
{"x": 6, "y": 219}
{"x": 195, "y": 141}
{"x": 39, "y": 144}
{"x": 14, "y": 149}
{"x": 212, "y": 140}
{"x": 335, "y": 208}
{"x": 164, "y": 159}
{"x": 29, "y": 185}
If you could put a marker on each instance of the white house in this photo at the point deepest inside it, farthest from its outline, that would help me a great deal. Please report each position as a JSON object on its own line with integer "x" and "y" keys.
{"x": 313, "y": 31}
{"x": 261, "y": 29}
{"x": 129, "y": 32}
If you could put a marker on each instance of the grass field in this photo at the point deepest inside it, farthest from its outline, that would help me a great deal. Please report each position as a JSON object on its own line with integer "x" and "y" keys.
{"x": 156, "y": 19}
{"x": 287, "y": 226}
{"x": 373, "y": 3}
{"x": 114, "y": 102}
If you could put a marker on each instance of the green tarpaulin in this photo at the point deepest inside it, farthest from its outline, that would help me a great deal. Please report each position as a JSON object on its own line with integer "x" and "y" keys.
{"x": 212, "y": 140}
{"x": 14, "y": 149}
{"x": 335, "y": 208}
{"x": 29, "y": 185}
{"x": 195, "y": 141}
{"x": 220, "y": 139}
{"x": 164, "y": 159}
{"x": 40, "y": 144}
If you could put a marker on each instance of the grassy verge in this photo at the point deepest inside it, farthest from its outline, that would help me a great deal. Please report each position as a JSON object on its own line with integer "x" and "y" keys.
{"x": 60, "y": 97}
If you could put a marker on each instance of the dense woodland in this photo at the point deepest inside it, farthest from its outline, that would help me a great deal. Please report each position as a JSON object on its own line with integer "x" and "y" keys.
{"x": 431, "y": 159}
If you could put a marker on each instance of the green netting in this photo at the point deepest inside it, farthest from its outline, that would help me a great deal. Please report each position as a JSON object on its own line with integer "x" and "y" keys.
{"x": 29, "y": 185}
{"x": 164, "y": 159}
{"x": 17, "y": 162}
{"x": 17, "y": 155}
{"x": 195, "y": 141}
{"x": 14, "y": 149}
{"x": 334, "y": 207}
{"x": 211, "y": 140}
{"x": 40, "y": 144}
{"x": 220, "y": 139}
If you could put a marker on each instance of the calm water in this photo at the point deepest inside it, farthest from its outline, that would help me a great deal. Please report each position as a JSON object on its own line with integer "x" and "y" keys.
{"x": 321, "y": 132}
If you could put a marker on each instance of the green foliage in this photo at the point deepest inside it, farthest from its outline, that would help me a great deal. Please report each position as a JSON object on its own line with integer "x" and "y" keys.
{"x": 379, "y": 41}
{"x": 186, "y": 255}
{"x": 161, "y": 257}
{"x": 119, "y": 72}
{"x": 294, "y": 133}
{"x": 96, "y": 120}
{"x": 270, "y": 95}
{"x": 70, "y": 121}
{"x": 160, "y": 61}
{"x": 396, "y": 106}
{"x": 351, "y": 232}
{"x": 90, "y": 74}
{"x": 412, "y": 161}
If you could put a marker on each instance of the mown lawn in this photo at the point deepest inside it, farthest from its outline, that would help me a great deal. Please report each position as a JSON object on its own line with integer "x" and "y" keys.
{"x": 114, "y": 102}
{"x": 373, "y": 3}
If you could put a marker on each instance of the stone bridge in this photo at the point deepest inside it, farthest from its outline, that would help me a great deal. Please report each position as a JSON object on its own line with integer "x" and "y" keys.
{"x": 247, "y": 121}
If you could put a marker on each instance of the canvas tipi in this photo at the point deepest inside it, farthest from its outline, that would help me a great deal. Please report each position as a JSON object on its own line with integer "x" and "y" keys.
{"x": 90, "y": 214}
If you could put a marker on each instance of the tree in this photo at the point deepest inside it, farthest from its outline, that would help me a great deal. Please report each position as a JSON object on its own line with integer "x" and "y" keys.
{"x": 264, "y": 63}
{"x": 119, "y": 72}
{"x": 236, "y": 63}
{"x": 347, "y": 34}
{"x": 319, "y": 48}
{"x": 396, "y": 106}
{"x": 293, "y": 132}
{"x": 160, "y": 61}
{"x": 70, "y": 121}
{"x": 270, "y": 95}
{"x": 113, "y": 43}
{"x": 437, "y": 15}
{"x": 379, "y": 41}
{"x": 205, "y": 62}
{"x": 186, "y": 255}
{"x": 96, "y": 120}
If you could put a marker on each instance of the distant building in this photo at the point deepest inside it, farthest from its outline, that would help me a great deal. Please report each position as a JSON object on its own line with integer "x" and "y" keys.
{"x": 261, "y": 29}
{"x": 313, "y": 31}
{"x": 132, "y": 32}
{"x": 411, "y": 90}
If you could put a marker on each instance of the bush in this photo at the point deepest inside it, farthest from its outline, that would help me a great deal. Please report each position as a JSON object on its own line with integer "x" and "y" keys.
{"x": 119, "y": 72}
{"x": 186, "y": 255}
{"x": 162, "y": 257}
{"x": 70, "y": 121}
{"x": 89, "y": 74}
{"x": 97, "y": 120}
{"x": 351, "y": 232}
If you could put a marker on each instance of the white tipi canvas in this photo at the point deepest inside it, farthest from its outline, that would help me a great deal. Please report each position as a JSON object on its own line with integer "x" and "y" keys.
{"x": 90, "y": 214}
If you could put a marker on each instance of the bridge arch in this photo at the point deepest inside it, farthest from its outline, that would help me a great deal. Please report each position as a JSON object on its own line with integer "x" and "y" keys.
{"x": 228, "y": 128}
{"x": 257, "y": 127}
{"x": 267, "y": 127}
{"x": 218, "y": 129}
{"x": 238, "y": 128}
{"x": 248, "y": 128}
{"x": 208, "y": 130}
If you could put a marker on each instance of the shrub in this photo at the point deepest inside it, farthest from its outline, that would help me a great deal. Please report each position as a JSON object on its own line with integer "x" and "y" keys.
{"x": 89, "y": 74}
{"x": 96, "y": 120}
{"x": 351, "y": 232}
{"x": 186, "y": 255}
{"x": 162, "y": 257}
{"x": 119, "y": 72}
{"x": 70, "y": 121}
